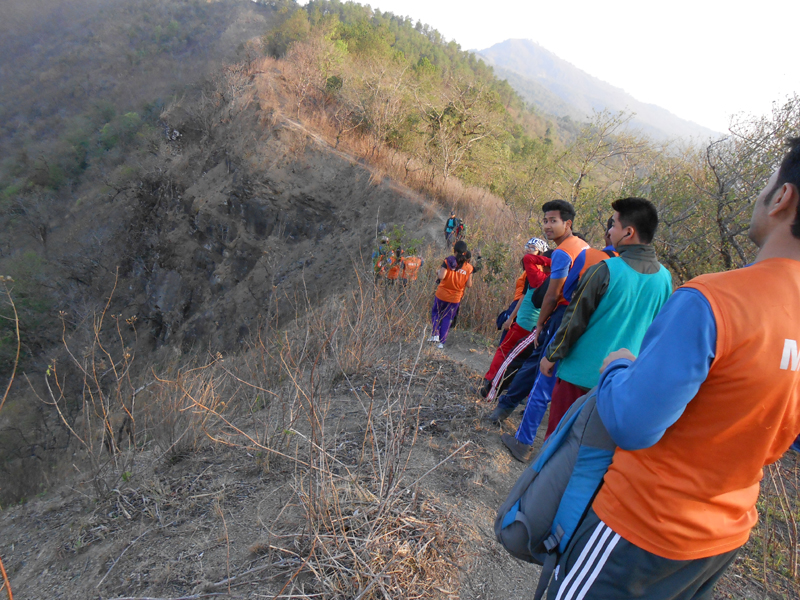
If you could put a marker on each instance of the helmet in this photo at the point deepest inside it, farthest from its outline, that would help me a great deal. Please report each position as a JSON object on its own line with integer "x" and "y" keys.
{"x": 537, "y": 244}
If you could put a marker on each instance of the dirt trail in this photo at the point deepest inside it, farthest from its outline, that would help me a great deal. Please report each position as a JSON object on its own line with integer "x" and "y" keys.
{"x": 503, "y": 576}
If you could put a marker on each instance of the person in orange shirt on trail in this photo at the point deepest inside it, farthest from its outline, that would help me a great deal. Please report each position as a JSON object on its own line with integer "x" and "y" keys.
{"x": 453, "y": 282}
{"x": 394, "y": 264}
{"x": 712, "y": 398}
{"x": 410, "y": 268}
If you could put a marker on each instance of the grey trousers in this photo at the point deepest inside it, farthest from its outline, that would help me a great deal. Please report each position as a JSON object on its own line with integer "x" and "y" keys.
{"x": 601, "y": 565}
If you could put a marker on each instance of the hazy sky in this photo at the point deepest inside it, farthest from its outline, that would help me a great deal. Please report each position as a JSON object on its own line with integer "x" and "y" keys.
{"x": 703, "y": 60}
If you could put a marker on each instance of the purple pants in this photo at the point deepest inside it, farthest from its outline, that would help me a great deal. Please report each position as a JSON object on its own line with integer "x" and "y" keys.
{"x": 442, "y": 315}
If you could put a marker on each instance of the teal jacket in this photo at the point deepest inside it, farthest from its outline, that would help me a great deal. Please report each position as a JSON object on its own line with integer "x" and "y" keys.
{"x": 612, "y": 308}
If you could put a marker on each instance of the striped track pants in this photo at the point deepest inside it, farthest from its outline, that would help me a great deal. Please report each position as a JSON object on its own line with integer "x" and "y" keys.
{"x": 518, "y": 349}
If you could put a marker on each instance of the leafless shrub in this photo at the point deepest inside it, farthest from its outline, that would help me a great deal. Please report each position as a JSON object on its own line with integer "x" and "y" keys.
{"x": 105, "y": 403}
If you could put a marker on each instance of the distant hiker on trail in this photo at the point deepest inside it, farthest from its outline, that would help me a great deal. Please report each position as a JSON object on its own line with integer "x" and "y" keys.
{"x": 451, "y": 225}
{"x": 713, "y": 397}
{"x": 394, "y": 266}
{"x": 558, "y": 216}
{"x": 614, "y": 304}
{"x": 454, "y": 279}
{"x": 460, "y": 231}
{"x": 380, "y": 257}
{"x": 521, "y": 321}
{"x": 410, "y": 268}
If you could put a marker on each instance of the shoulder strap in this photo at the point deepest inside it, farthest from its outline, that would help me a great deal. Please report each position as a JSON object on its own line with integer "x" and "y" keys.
{"x": 546, "y": 574}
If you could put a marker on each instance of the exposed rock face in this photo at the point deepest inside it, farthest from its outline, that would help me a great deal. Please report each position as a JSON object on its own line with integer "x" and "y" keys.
{"x": 206, "y": 252}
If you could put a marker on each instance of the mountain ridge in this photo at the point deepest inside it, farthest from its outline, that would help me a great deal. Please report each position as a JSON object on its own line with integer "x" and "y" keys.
{"x": 560, "y": 88}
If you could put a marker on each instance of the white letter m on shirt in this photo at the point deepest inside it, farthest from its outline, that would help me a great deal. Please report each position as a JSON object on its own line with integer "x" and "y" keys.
{"x": 790, "y": 353}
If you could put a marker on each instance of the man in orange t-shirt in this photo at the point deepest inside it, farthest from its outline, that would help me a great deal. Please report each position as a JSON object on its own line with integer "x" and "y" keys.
{"x": 713, "y": 397}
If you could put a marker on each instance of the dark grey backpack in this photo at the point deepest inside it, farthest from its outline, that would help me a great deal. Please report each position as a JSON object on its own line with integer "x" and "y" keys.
{"x": 549, "y": 500}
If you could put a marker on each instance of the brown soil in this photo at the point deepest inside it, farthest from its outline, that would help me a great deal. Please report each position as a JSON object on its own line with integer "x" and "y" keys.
{"x": 179, "y": 527}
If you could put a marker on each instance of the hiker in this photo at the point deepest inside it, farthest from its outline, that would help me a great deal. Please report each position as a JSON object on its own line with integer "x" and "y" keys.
{"x": 539, "y": 396}
{"x": 517, "y": 357}
{"x": 558, "y": 216}
{"x": 713, "y": 397}
{"x": 460, "y": 231}
{"x": 455, "y": 276}
{"x": 615, "y": 302}
{"x": 410, "y": 266}
{"x": 519, "y": 290}
{"x": 394, "y": 265}
{"x": 379, "y": 259}
{"x": 520, "y": 323}
{"x": 450, "y": 226}
{"x": 468, "y": 255}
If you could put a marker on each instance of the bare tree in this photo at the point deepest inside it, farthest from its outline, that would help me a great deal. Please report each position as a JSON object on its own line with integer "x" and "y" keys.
{"x": 456, "y": 121}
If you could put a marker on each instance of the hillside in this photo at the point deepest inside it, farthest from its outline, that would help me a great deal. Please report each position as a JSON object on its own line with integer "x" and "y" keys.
{"x": 556, "y": 87}
{"x": 61, "y": 59}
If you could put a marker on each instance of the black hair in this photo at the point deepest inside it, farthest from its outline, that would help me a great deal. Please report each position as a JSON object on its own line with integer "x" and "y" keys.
{"x": 640, "y": 214}
{"x": 789, "y": 172}
{"x": 566, "y": 209}
{"x": 461, "y": 252}
{"x": 609, "y": 224}
{"x": 398, "y": 252}
{"x": 580, "y": 236}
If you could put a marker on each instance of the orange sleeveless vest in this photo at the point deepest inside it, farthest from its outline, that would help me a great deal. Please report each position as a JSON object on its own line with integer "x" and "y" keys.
{"x": 519, "y": 286}
{"x": 394, "y": 269}
{"x": 573, "y": 246}
{"x": 411, "y": 265}
{"x": 693, "y": 494}
{"x": 594, "y": 256}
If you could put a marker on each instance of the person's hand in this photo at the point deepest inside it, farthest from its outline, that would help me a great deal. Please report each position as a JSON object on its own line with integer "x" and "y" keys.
{"x": 616, "y": 355}
{"x": 507, "y": 325}
{"x": 546, "y": 367}
{"x": 536, "y": 337}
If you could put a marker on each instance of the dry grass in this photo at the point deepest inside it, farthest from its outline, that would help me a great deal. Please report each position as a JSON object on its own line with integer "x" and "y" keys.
{"x": 767, "y": 567}
{"x": 368, "y": 529}
{"x": 275, "y": 82}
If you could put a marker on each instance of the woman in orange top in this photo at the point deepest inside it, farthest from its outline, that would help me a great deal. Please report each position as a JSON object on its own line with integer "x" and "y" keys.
{"x": 449, "y": 293}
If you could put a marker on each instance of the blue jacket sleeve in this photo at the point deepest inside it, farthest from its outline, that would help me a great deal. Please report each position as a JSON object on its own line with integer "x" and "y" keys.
{"x": 637, "y": 401}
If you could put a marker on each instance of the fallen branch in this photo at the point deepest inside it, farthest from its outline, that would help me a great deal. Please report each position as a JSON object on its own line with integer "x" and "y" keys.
{"x": 114, "y": 564}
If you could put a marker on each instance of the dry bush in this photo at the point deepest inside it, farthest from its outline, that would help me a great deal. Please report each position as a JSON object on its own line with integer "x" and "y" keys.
{"x": 368, "y": 530}
{"x": 95, "y": 398}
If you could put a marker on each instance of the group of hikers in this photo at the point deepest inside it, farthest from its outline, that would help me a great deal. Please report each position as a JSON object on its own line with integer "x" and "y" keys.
{"x": 391, "y": 264}
{"x": 699, "y": 388}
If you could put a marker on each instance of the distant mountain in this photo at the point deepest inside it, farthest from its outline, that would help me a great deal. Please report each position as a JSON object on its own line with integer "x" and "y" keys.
{"x": 557, "y": 87}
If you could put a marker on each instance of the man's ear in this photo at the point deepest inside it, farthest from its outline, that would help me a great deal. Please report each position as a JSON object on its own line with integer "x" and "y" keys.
{"x": 785, "y": 198}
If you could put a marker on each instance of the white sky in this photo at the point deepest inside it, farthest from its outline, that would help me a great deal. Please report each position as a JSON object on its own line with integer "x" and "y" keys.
{"x": 703, "y": 60}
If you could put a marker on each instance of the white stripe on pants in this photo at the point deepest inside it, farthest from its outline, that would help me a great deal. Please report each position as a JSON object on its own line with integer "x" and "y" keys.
{"x": 521, "y": 345}
{"x": 584, "y": 572}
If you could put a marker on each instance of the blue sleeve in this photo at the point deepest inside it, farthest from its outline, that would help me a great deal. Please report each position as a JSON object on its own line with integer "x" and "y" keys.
{"x": 559, "y": 268}
{"x": 637, "y": 401}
